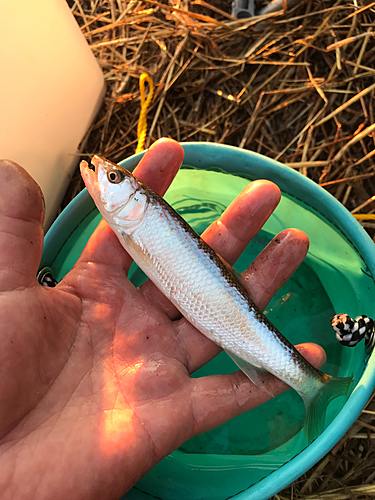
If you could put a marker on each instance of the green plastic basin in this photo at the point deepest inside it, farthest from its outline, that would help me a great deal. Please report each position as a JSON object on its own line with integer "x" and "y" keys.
{"x": 256, "y": 454}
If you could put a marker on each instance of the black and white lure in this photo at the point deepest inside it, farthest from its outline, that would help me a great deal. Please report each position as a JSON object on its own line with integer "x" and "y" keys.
{"x": 46, "y": 278}
{"x": 351, "y": 331}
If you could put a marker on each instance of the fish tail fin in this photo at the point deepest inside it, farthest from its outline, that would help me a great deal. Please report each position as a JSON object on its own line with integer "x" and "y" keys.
{"x": 316, "y": 408}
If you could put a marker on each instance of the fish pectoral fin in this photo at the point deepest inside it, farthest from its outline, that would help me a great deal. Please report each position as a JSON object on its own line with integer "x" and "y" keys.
{"x": 258, "y": 376}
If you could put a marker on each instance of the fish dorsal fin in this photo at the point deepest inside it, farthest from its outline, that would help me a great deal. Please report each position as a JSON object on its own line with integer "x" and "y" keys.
{"x": 256, "y": 375}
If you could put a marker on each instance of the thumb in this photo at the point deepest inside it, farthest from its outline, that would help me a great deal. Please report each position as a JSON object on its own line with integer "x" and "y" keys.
{"x": 21, "y": 231}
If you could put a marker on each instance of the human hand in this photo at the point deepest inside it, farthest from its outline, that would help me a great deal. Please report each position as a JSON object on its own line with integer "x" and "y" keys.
{"x": 95, "y": 383}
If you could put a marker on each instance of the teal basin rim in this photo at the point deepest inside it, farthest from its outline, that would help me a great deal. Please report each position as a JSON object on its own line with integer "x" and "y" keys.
{"x": 302, "y": 188}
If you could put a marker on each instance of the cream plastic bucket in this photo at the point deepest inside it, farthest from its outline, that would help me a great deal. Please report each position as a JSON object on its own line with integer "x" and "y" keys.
{"x": 51, "y": 88}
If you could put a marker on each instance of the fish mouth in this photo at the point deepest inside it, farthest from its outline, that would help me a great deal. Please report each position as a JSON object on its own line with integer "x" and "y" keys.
{"x": 89, "y": 173}
{"x": 93, "y": 166}
{"x": 85, "y": 169}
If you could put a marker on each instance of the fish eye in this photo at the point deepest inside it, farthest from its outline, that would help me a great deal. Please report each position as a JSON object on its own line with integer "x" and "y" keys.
{"x": 115, "y": 176}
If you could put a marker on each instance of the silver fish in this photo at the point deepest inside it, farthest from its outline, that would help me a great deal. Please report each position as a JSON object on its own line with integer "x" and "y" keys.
{"x": 204, "y": 288}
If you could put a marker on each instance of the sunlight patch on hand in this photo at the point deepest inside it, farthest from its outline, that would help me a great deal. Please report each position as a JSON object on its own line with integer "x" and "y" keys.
{"x": 117, "y": 429}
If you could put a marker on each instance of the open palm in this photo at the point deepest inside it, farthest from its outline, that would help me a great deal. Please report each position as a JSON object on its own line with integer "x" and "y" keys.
{"x": 95, "y": 383}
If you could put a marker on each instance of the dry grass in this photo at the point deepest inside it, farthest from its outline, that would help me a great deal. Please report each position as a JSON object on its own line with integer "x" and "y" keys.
{"x": 300, "y": 89}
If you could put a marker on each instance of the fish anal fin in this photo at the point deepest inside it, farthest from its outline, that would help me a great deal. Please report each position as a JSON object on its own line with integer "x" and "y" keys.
{"x": 258, "y": 376}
